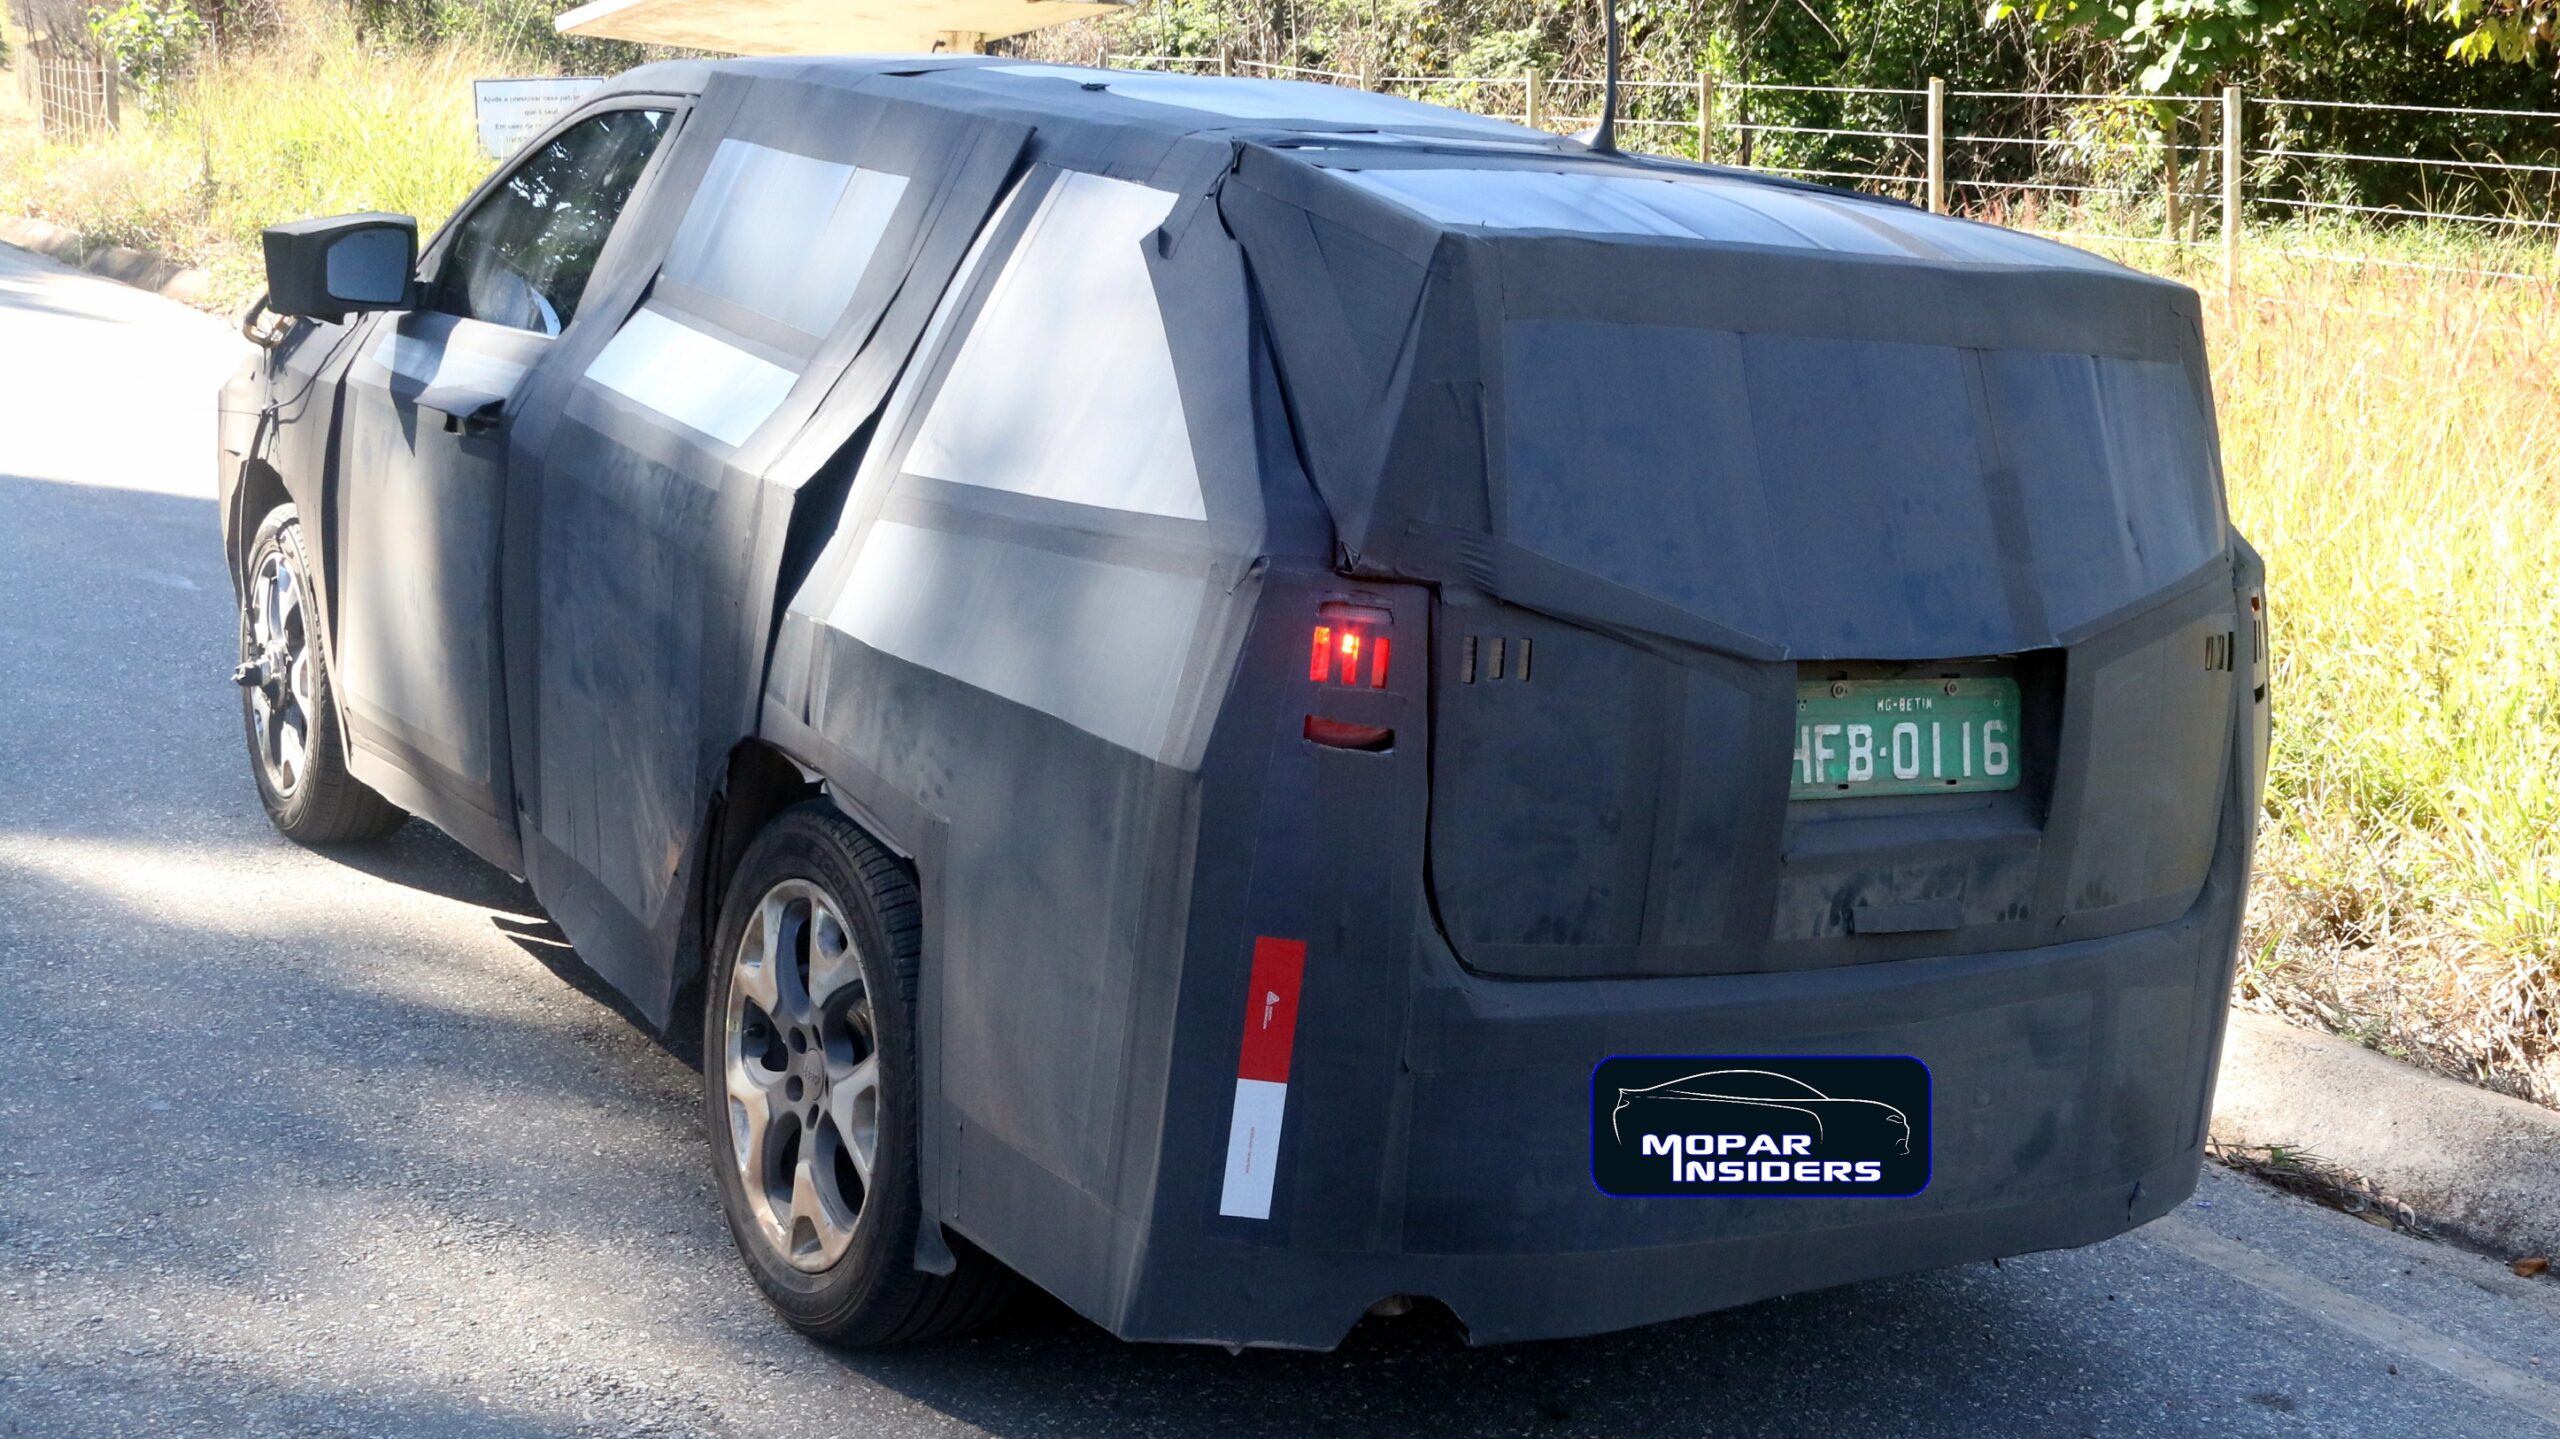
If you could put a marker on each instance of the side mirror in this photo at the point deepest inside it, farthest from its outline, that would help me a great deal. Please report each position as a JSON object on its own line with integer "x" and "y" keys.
{"x": 329, "y": 269}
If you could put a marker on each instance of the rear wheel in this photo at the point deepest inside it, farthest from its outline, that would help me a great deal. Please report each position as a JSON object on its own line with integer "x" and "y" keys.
{"x": 295, "y": 750}
{"x": 809, "y": 1069}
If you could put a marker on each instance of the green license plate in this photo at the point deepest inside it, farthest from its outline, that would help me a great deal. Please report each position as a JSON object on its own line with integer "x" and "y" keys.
{"x": 1904, "y": 736}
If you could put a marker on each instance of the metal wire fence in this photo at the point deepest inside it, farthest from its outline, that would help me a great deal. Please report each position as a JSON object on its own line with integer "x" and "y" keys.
{"x": 2213, "y": 178}
{"x": 71, "y": 86}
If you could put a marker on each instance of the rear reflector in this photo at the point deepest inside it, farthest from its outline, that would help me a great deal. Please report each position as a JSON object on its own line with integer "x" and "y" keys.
{"x": 1262, "y": 1077}
{"x": 1341, "y": 734}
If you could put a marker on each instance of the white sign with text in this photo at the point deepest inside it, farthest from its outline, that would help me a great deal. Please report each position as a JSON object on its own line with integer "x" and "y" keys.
{"x": 514, "y": 111}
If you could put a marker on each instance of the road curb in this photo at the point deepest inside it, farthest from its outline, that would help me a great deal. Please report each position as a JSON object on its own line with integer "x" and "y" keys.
{"x": 187, "y": 284}
{"x": 2473, "y": 1165}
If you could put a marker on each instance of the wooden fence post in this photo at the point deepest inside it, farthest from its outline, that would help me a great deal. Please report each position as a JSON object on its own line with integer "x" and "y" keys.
{"x": 2171, "y": 183}
{"x": 1937, "y": 146}
{"x": 1706, "y": 117}
{"x": 2231, "y": 108}
{"x": 1535, "y": 115}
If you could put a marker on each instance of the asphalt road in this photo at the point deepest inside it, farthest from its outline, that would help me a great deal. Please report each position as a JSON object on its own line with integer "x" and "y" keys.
{"x": 350, "y": 1144}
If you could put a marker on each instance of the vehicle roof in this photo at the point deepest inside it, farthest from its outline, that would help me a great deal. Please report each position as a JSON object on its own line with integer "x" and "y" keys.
{"x": 1376, "y": 136}
{"x": 1172, "y": 104}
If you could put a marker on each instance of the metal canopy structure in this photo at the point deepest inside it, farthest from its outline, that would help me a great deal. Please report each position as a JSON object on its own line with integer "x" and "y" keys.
{"x": 823, "y": 27}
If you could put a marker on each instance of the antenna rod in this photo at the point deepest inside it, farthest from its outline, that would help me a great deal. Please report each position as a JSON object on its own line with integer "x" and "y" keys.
{"x": 1604, "y": 140}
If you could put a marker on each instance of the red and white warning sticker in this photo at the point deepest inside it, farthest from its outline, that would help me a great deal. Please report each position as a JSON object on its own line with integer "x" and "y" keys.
{"x": 1262, "y": 1077}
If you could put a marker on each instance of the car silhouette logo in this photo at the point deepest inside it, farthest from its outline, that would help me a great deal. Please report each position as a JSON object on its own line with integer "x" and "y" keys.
{"x": 1760, "y": 1089}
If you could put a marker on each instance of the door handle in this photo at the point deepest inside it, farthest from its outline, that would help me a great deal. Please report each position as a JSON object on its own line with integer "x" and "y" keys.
{"x": 480, "y": 420}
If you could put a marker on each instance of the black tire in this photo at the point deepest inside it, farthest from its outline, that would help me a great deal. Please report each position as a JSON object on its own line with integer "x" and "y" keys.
{"x": 870, "y": 1293}
{"x": 312, "y": 801}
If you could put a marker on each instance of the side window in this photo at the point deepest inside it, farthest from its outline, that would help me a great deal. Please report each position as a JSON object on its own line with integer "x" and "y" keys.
{"x": 786, "y": 236}
{"x": 523, "y": 258}
{"x": 769, "y": 239}
{"x": 1064, "y": 387}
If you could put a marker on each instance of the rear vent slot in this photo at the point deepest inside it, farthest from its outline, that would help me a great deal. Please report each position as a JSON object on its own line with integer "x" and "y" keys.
{"x": 1487, "y": 657}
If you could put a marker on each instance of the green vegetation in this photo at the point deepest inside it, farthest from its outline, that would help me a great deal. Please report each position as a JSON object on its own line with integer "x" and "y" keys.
{"x": 2392, "y": 435}
{"x": 2392, "y": 449}
{"x": 2519, "y": 31}
{"x": 317, "y": 115}
{"x": 155, "y": 44}
{"x": 2364, "y": 50}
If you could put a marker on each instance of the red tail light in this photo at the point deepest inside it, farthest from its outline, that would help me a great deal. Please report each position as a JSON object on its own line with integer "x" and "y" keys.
{"x": 1350, "y": 647}
{"x": 1349, "y": 651}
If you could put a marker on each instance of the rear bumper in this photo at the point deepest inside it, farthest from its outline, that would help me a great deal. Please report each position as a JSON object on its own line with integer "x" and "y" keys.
{"x": 2071, "y": 1090}
{"x": 1433, "y": 1122}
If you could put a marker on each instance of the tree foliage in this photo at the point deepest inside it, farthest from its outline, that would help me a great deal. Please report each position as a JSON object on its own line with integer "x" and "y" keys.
{"x": 2012, "y": 72}
{"x": 2172, "y": 46}
{"x": 1848, "y": 74}
{"x": 2522, "y": 31}
{"x": 520, "y": 28}
{"x": 154, "y": 42}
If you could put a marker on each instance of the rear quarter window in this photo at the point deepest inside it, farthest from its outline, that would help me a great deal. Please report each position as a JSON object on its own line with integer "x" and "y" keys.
{"x": 1064, "y": 386}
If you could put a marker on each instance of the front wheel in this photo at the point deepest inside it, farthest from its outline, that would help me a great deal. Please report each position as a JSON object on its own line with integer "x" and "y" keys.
{"x": 809, "y": 1069}
{"x": 295, "y": 750}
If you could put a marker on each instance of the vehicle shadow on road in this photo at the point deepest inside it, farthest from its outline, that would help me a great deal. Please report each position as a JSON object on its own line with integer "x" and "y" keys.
{"x": 543, "y": 941}
{"x": 419, "y": 856}
{"x": 1766, "y": 1368}
{"x": 316, "y": 1078}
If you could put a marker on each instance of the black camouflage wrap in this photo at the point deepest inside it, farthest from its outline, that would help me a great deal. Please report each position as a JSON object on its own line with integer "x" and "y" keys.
{"x": 1783, "y": 433}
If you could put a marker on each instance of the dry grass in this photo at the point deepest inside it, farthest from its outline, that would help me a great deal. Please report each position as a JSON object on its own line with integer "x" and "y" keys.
{"x": 2392, "y": 439}
{"x": 314, "y": 124}
{"x": 2299, "y": 1171}
{"x": 2393, "y": 444}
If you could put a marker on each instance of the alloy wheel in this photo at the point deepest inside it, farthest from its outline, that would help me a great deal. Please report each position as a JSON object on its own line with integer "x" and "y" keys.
{"x": 801, "y": 1069}
{"x": 280, "y": 661}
